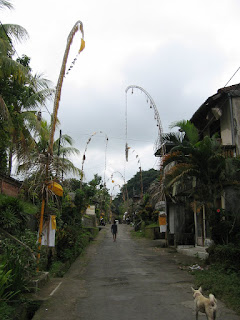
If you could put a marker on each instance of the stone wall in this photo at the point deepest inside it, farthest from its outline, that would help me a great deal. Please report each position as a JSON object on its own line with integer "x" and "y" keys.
{"x": 89, "y": 221}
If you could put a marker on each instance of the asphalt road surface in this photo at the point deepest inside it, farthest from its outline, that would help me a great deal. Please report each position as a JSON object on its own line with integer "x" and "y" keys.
{"x": 124, "y": 280}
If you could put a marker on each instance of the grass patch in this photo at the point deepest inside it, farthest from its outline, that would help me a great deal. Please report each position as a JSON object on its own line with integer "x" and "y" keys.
{"x": 58, "y": 269}
{"x": 224, "y": 284}
{"x": 152, "y": 225}
{"x": 137, "y": 234}
{"x": 29, "y": 208}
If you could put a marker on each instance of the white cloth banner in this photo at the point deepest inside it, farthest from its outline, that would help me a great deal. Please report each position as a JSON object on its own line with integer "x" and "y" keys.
{"x": 48, "y": 232}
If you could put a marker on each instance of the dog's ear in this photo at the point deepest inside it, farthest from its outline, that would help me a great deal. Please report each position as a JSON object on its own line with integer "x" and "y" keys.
{"x": 192, "y": 289}
{"x": 200, "y": 289}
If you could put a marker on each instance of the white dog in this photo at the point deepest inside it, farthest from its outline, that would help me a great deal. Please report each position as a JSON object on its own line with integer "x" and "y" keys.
{"x": 205, "y": 305}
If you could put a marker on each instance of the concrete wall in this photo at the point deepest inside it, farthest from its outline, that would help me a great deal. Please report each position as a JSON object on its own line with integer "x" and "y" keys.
{"x": 89, "y": 220}
{"x": 153, "y": 233}
{"x": 225, "y": 123}
{"x": 236, "y": 123}
{"x": 230, "y": 125}
{"x": 231, "y": 202}
{"x": 179, "y": 224}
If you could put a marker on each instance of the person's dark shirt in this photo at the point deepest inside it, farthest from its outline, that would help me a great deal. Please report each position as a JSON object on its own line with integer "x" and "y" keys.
{"x": 114, "y": 228}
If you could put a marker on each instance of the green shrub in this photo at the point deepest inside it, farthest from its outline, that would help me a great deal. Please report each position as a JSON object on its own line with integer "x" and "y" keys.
{"x": 224, "y": 226}
{"x": 5, "y": 282}
{"x": 70, "y": 242}
{"x": 227, "y": 255}
{"x": 138, "y": 234}
{"x": 18, "y": 259}
{"x": 58, "y": 269}
{"x": 6, "y": 311}
{"x": 12, "y": 218}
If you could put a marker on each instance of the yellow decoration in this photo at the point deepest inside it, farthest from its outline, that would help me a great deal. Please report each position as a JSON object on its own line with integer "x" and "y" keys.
{"x": 112, "y": 181}
{"x": 162, "y": 220}
{"x": 82, "y": 46}
{"x": 53, "y": 222}
{"x": 56, "y": 188}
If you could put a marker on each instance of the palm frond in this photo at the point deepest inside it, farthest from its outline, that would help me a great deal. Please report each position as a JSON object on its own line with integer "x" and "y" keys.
{"x": 9, "y": 67}
{"x": 4, "y": 113}
{"x": 5, "y": 4}
{"x": 182, "y": 173}
{"x": 172, "y": 137}
{"x": 68, "y": 151}
{"x": 68, "y": 167}
{"x": 15, "y": 32}
{"x": 191, "y": 132}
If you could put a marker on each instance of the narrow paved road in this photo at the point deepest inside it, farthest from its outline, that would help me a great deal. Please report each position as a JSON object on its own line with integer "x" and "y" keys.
{"x": 124, "y": 280}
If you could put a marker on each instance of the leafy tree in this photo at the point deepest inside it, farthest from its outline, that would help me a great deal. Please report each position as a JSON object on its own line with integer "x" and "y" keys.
{"x": 29, "y": 94}
{"x": 4, "y": 139}
{"x": 8, "y": 68}
{"x": 205, "y": 162}
{"x": 8, "y": 34}
{"x": 202, "y": 160}
{"x": 71, "y": 184}
{"x": 20, "y": 94}
{"x": 123, "y": 201}
{"x": 93, "y": 193}
{"x": 35, "y": 169}
{"x": 134, "y": 184}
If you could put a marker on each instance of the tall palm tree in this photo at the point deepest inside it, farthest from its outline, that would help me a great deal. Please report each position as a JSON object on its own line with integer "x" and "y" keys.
{"x": 22, "y": 106}
{"x": 34, "y": 170}
{"x": 20, "y": 94}
{"x": 10, "y": 33}
{"x": 202, "y": 160}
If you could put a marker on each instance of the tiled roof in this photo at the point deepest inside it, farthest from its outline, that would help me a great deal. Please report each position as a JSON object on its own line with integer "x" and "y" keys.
{"x": 221, "y": 95}
{"x": 234, "y": 89}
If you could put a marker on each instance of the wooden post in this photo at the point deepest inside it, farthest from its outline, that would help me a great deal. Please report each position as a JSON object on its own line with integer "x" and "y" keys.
{"x": 195, "y": 222}
{"x": 204, "y": 226}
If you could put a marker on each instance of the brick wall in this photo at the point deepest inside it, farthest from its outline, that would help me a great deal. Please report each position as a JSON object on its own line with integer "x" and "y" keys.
{"x": 9, "y": 186}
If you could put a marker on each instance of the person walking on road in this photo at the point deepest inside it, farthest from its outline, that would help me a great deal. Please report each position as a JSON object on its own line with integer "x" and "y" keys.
{"x": 114, "y": 230}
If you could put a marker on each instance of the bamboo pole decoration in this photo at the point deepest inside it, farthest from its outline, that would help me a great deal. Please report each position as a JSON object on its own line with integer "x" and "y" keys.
{"x": 84, "y": 157}
{"x": 124, "y": 185}
{"x": 78, "y": 26}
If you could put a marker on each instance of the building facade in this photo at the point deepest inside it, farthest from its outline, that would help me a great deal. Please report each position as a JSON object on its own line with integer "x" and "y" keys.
{"x": 187, "y": 220}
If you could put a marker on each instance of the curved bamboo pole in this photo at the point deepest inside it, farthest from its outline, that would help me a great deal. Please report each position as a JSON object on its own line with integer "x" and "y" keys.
{"x": 84, "y": 157}
{"x": 140, "y": 171}
{"x": 159, "y": 142}
{"x": 78, "y": 26}
{"x": 124, "y": 185}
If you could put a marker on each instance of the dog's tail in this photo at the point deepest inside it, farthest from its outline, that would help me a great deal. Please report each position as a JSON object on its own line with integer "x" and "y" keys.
{"x": 212, "y": 299}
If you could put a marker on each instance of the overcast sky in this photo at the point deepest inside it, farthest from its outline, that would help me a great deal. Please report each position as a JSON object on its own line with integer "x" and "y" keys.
{"x": 180, "y": 52}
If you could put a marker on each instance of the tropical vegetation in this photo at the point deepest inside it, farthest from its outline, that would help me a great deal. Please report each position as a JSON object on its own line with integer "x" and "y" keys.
{"x": 204, "y": 164}
{"x": 24, "y": 147}
{"x": 132, "y": 190}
